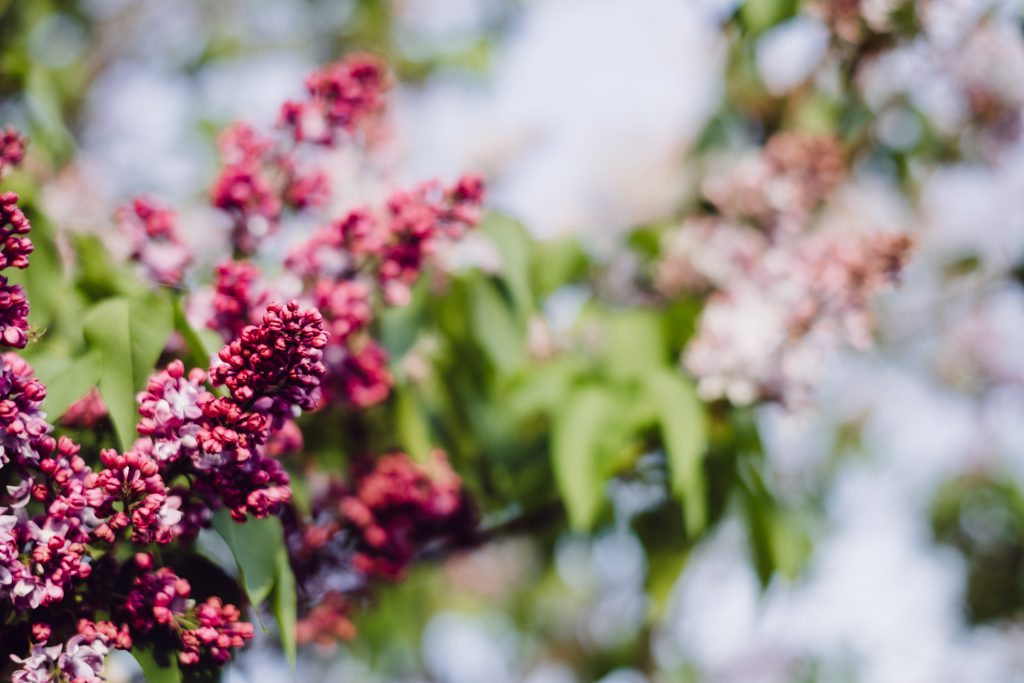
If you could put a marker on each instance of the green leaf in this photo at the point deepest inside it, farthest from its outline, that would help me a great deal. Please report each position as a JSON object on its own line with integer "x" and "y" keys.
{"x": 66, "y": 380}
{"x": 556, "y": 263}
{"x": 662, "y": 574}
{"x": 129, "y": 335}
{"x": 413, "y": 429}
{"x": 634, "y": 343}
{"x": 684, "y": 436}
{"x": 285, "y": 610}
{"x": 576, "y": 452}
{"x": 495, "y": 326}
{"x": 153, "y": 671}
{"x": 760, "y": 15}
{"x": 256, "y": 545}
{"x": 198, "y": 352}
{"x": 96, "y": 274}
{"x": 513, "y": 243}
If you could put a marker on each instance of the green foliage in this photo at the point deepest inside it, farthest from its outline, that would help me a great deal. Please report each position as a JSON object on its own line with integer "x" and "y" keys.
{"x": 982, "y": 516}
{"x": 683, "y": 434}
{"x": 157, "y": 671}
{"x": 262, "y": 558}
{"x": 758, "y": 16}
{"x": 66, "y": 379}
{"x": 579, "y": 452}
{"x": 283, "y": 600}
{"x": 255, "y": 546}
{"x": 128, "y": 334}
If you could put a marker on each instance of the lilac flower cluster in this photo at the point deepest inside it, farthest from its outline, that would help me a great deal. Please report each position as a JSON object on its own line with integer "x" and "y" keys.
{"x": 342, "y": 98}
{"x": 261, "y": 176}
{"x": 238, "y": 297}
{"x": 783, "y": 290}
{"x": 272, "y": 372}
{"x": 79, "y": 660}
{"x": 372, "y": 530}
{"x": 12, "y": 149}
{"x": 152, "y": 234}
{"x": 67, "y": 521}
{"x": 368, "y": 256}
{"x": 62, "y": 519}
{"x": 14, "y": 253}
{"x": 207, "y": 632}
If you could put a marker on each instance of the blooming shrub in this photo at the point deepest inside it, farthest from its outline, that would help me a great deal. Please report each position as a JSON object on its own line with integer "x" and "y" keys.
{"x": 96, "y": 542}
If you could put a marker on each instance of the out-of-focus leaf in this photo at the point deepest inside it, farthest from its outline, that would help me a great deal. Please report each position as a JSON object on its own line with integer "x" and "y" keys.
{"x": 96, "y": 274}
{"x": 256, "y": 546}
{"x": 495, "y": 326}
{"x": 760, "y": 15}
{"x": 777, "y": 540}
{"x": 42, "y": 95}
{"x": 684, "y": 435}
{"x": 513, "y": 243}
{"x": 285, "y": 609}
{"x": 662, "y": 575}
{"x": 154, "y": 671}
{"x": 413, "y": 430}
{"x": 579, "y": 430}
{"x": 128, "y": 334}
{"x": 556, "y": 263}
{"x": 542, "y": 389}
{"x": 634, "y": 343}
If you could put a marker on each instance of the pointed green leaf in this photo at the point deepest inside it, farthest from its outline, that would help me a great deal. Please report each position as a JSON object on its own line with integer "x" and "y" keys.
{"x": 129, "y": 335}
{"x": 684, "y": 436}
{"x": 411, "y": 422}
{"x": 495, "y": 326}
{"x": 513, "y": 244}
{"x": 199, "y": 353}
{"x": 66, "y": 380}
{"x": 153, "y": 671}
{"x": 285, "y": 609}
{"x": 255, "y": 545}
{"x": 580, "y": 472}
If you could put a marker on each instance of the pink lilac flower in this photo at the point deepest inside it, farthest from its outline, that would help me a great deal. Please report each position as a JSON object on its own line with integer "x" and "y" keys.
{"x": 707, "y": 252}
{"x": 171, "y": 411}
{"x": 86, "y": 412}
{"x": 342, "y": 97}
{"x": 397, "y": 507}
{"x": 38, "y": 666}
{"x": 209, "y": 631}
{"x": 779, "y": 186}
{"x": 372, "y": 530}
{"x": 133, "y": 484}
{"x": 416, "y": 221}
{"x": 245, "y": 188}
{"x": 238, "y": 298}
{"x": 277, "y": 363}
{"x": 364, "y": 255}
{"x": 13, "y": 254}
{"x": 346, "y": 306}
{"x": 22, "y": 423}
{"x": 765, "y": 334}
{"x": 287, "y": 439}
{"x": 12, "y": 149}
{"x": 271, "y": 371}
{"x": 362, "y": 377}
{"x": 152, "y": 233}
